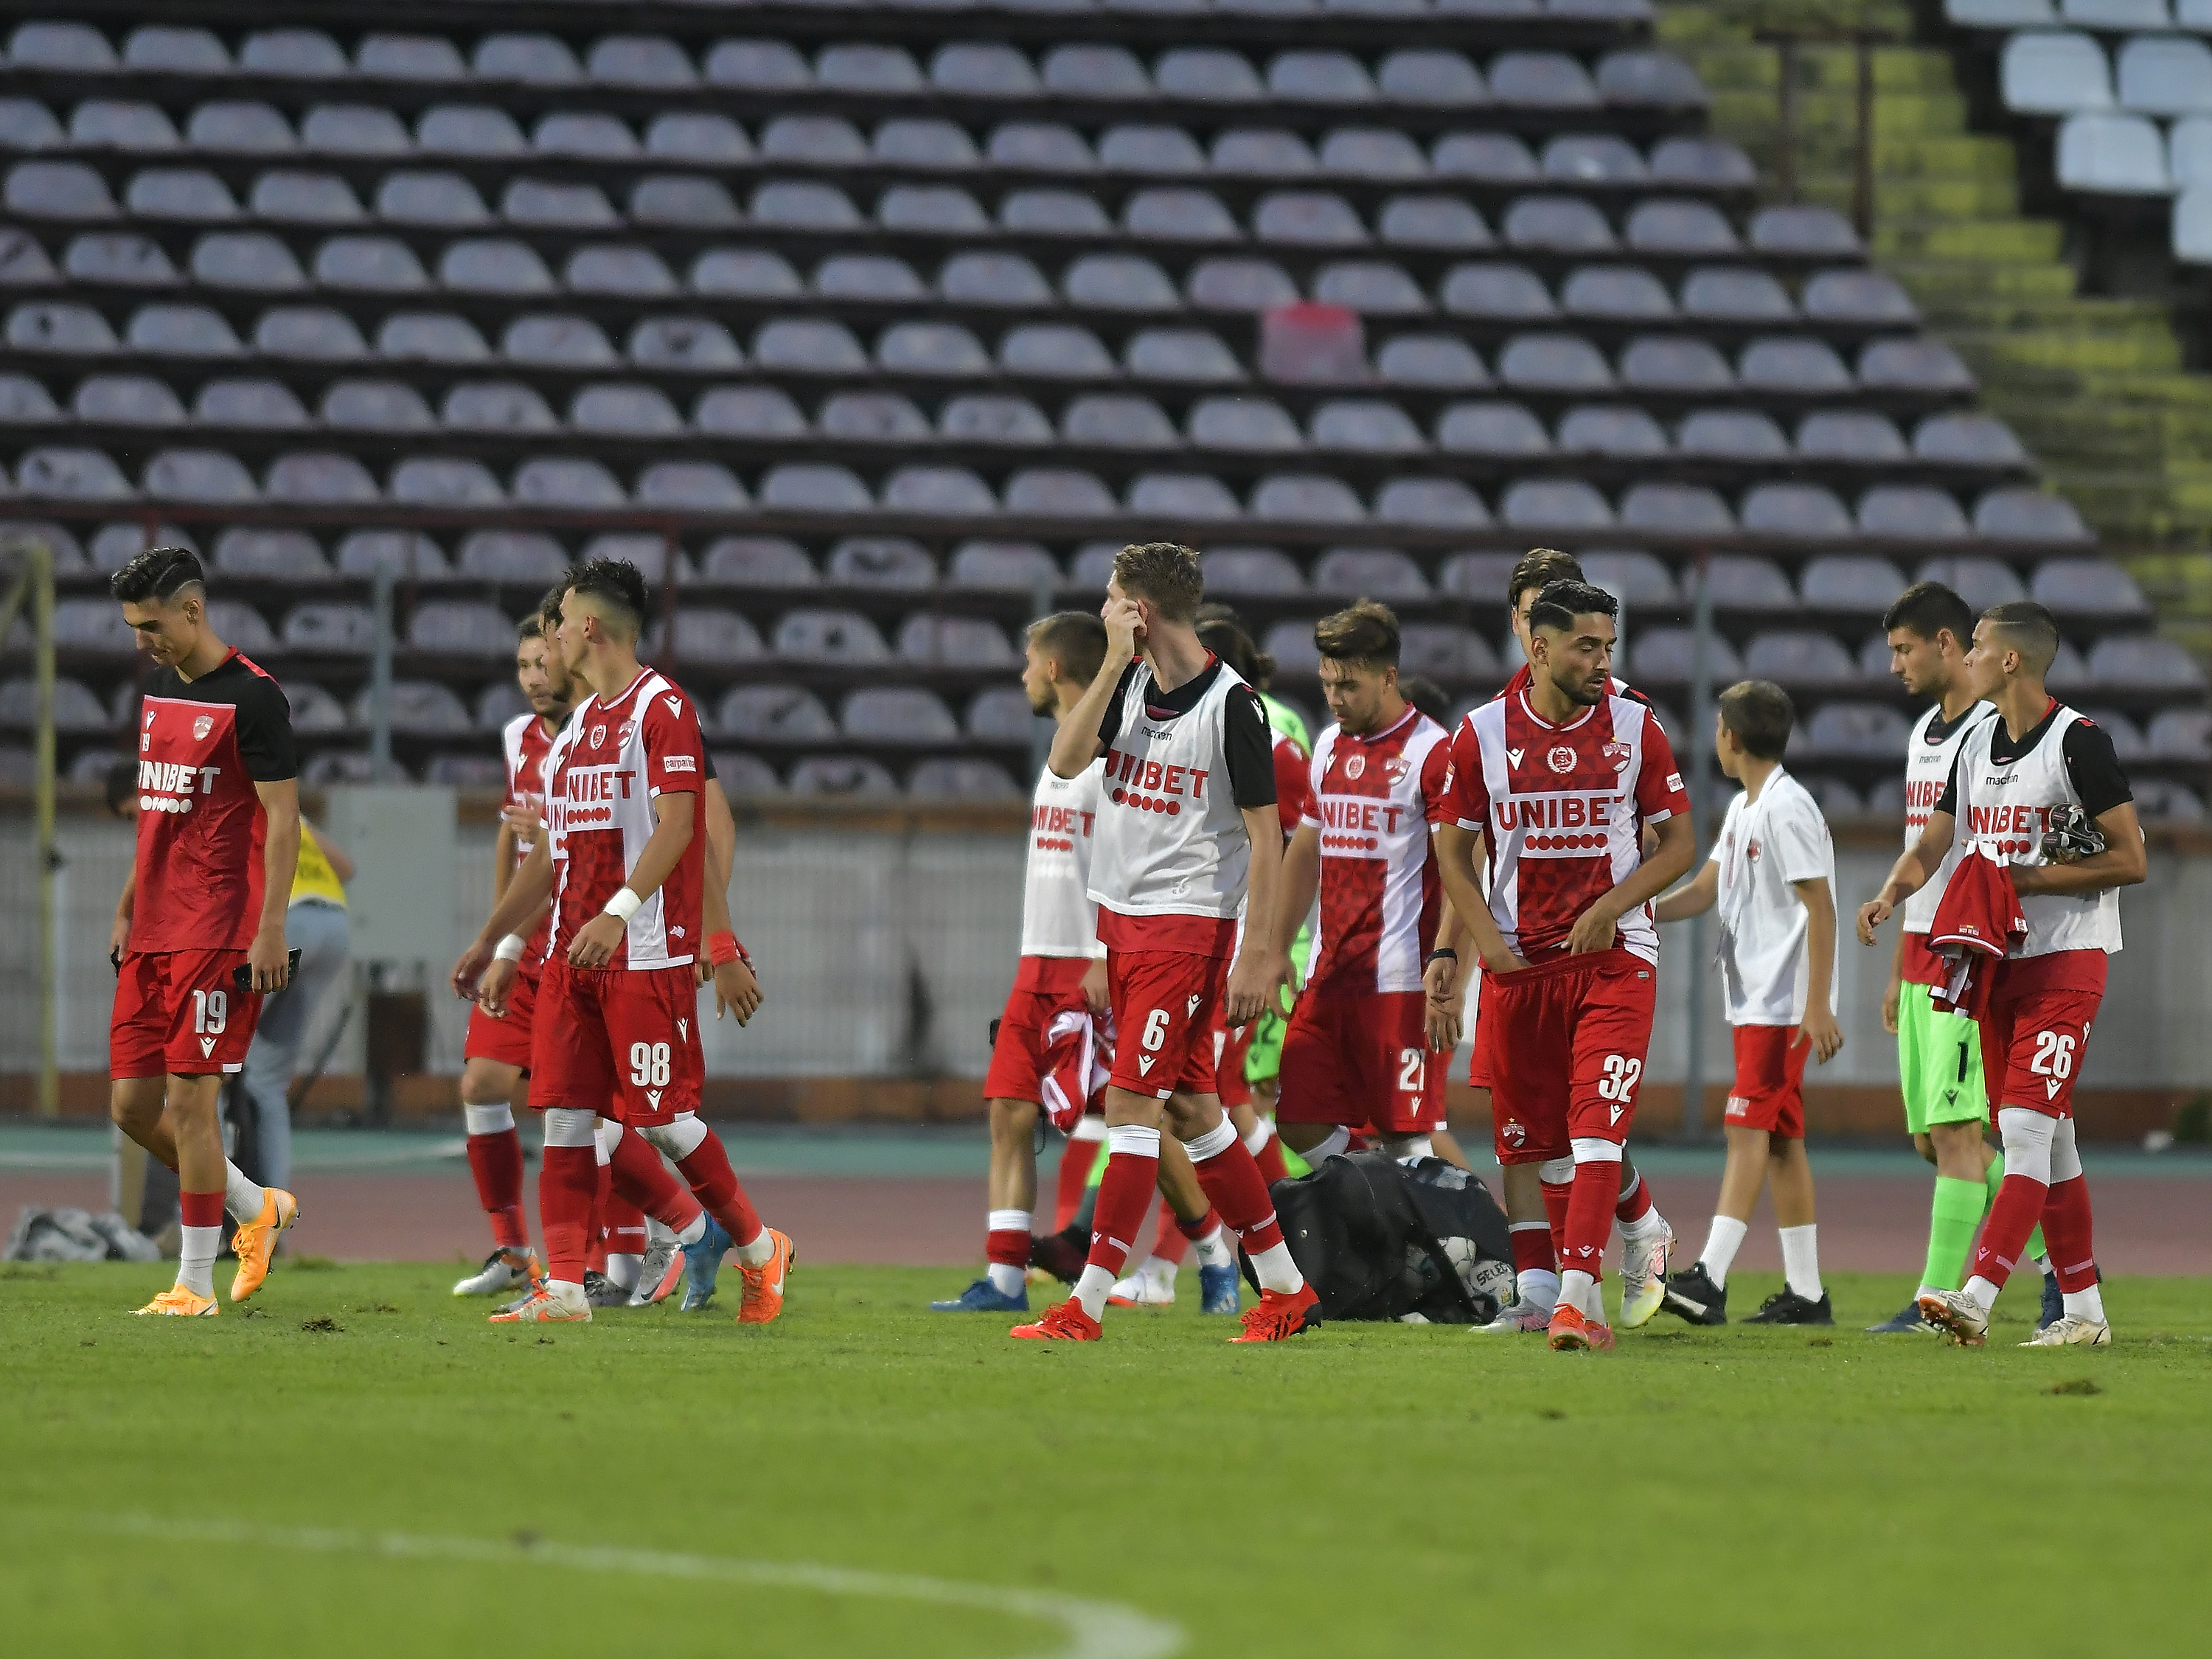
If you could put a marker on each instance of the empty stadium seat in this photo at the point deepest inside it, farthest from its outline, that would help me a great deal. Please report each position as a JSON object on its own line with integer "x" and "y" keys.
{"x": 1254, "y": 570}
{"x": 757, "y": 561}
{"x": 1981, "y": 582}
{"x": 775, "y": 714}
{"x": 829, "y": 637}
{"x": 1858, "y": 582}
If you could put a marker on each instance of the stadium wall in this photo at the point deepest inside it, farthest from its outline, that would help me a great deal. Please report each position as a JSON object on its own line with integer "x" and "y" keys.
{"x": 886, "y": 941}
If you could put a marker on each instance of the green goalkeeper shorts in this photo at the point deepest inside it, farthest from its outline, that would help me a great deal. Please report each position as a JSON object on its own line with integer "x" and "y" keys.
{"x": 1939, "y": 1063}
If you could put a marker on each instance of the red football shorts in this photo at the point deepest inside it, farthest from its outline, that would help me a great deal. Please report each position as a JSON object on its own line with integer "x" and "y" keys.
{"x": 1353, "y": 1057}
{"x": 1167, "y": 1006}
{"x": 179, "y": 1013}
{"x": 1229, "y": 1048}
{"x": 1769, "y": 1092}
{"x": 1568, "y": 1039}
{"x": 2033, "y": 1048}
{"x": 505, "y": 1041}
{"x": 620, "y": 1042}
{"x": 1478, "y": 1063}
{"x": 1045, "y": 986}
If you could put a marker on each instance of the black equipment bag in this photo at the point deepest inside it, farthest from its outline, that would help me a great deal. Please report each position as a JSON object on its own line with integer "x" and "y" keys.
{"x": 1382, "y": 1240}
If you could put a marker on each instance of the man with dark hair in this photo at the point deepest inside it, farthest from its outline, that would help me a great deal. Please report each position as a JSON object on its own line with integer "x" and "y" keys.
{"x": 1772, "y": 873}
{"x": 1425, "y": 694}
{"x": 1187, "y": 841}
{"x": 1929, "y": 629}
{"x": 1535, "y": 1201}
{"x": 2038, "y": 791}
{"x": 198, "y": 937}
{"x": 1356, "y": 1055}
{"x": 1554, "y": 786}
{"x": 632, "y": 901}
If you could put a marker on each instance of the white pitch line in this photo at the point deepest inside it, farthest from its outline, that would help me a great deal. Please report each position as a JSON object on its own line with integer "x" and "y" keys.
{"x": 1095, "y": 1629}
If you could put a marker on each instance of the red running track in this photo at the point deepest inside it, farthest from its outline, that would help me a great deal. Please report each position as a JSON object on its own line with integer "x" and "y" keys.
{"x": 2155, "y": 1225}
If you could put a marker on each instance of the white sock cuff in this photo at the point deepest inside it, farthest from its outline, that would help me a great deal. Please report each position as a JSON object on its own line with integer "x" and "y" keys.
{"x": 565, "y": 1125}
{"x": 241, "y": 1198}
{"x": 2027, "y": 1138}
{"x": 496, "y": 1118}
{"x": 1593, "y": 1149}
{"x": 1410, "y": 1146}
{"x": 1330, "y": 1146}
{"x": 602, "y": 1150}
{"x": 1556, "y": 1171}
{"x": 1138, "y": 1140}
{"x": 677, "y": 1141}
{"x": 1090, "y": 1127}
{"x": 1256, "y": 1142}
{"x": 1009, "y": 1221}
{"x": 2065, "y": 1156}
{"x": 1527, "y": 1226}
{"x": 1214, "y": 1142}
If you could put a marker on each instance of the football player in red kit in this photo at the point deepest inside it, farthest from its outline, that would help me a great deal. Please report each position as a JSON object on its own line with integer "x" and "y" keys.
{"x": 198, "y": 938}
{"x": 1187, "y": 829}
{"x": 1554, "y": 786}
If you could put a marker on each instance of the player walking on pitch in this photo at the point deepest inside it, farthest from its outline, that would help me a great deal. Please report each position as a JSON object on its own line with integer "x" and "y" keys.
{"x": 1062, "y": 965}
{"x": 1187, "y": 828}
{"x": 1357, "y": 1052}
{"x": 1929, "y": 630}
{"x": 1772, "y": 873}
{"x": 1552, "y": 786}
{"x": 626, "y": 872}
{"x": 2024, "y": 791}
{"x": 198, "y": 937}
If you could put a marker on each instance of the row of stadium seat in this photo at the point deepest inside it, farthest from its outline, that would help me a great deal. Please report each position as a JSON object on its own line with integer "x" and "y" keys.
{"x": 2135, "y": 122}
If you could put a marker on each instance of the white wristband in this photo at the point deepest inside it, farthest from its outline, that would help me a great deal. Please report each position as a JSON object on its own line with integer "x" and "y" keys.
{"x": 624, "y": 905}
{"x": 509, "y": 949}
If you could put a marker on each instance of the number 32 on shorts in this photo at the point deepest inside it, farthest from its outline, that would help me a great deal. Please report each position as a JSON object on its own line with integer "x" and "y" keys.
{"x": 1617, "y": 1082}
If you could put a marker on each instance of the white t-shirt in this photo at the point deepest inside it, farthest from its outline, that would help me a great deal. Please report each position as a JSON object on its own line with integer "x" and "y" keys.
{"x": 1765, "y": 845}
{"x": 1058, "y": 918}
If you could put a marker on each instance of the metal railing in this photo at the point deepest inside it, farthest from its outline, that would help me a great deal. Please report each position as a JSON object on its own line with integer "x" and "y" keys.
{"x": 1786, "y": 44}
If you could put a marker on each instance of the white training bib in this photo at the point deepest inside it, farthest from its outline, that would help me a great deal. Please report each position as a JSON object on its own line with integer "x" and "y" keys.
{"x": 1927, "y": 771}
{"x": 1171, "y": 840}
{"x": 1058, "y": 917}
{"x": 2004, "y": 810}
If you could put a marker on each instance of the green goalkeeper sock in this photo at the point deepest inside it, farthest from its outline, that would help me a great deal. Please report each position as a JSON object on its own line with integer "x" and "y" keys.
{"x": 1952, "y": 1216}
{"x": 1993, "y": 1176}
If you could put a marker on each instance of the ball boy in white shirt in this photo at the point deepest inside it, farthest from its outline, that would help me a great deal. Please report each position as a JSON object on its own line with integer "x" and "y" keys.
{"x": 1772, "y": 873}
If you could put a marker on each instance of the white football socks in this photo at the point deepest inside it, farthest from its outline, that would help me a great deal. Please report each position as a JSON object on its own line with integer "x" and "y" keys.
{"x": 2086, "y": 1304}
{"x": 1276, "y": 1271}
{"x": 622, "y": 1269}
{"x": 1539, "y": 1287}
{"x": 196, "y": 1258}
{"x": 1720, "y": 1246}
{"x": 1579, "y": 1289}
{"x": 240, "y": 1197}
{"x": 1092, "y": 1286}
{"x": 1800, "y": 1259}
{"x": 1215, "y": 1250}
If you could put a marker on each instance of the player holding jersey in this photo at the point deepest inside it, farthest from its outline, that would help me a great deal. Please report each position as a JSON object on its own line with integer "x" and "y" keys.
{"x": 1358, "y": 1052}
{"x": 198, "y": 937}
{"x": 1554, "y": 785}
{"x": 1062, "y": 965}
{"x": 2018, "y": 792}
{"x": 1186, "y": 829}
{"x": 1536, "y": 1185}
{"x": 626, "y": 872}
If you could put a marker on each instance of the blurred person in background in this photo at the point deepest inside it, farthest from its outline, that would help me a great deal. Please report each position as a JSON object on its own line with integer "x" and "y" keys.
{"x": 315, "y": 921}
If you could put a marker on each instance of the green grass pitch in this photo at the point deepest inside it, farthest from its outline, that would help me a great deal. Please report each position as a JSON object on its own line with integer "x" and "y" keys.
{"x": 646, "y": 1485}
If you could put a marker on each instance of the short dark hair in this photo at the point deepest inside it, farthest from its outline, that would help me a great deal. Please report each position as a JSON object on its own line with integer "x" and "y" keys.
{"x": 1760, "y": 715}
{"x": 159, "y": 574}
{"x": 1165, "y": 575}
{"x": 1561, "y": 602}
{"x": 1927, "y": 609}
{"x": 549, "y": 608}
{"x": 1425, "y": 694}
{"x": 121, "y": 782}
{"x": 1539, "y": 568}
{"x": 1076, "y": 639}
{"x": 2032, "y": 630}
{"x": 1365, "y": 634}
{"x": 532, "y": 626}
{"x": 615, "y": 584}
{"x": 1228, "y": 641}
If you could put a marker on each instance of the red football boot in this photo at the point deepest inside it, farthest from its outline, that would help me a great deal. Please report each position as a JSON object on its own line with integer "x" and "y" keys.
{"x": 1280, "y": 1316}
{"x": 1066, "y": 1322}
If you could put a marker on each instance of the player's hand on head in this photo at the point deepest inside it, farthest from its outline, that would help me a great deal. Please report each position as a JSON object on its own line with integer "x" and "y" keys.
{"x": 1872, "y": 915}
{"x": 1125, "y": 626}
{"x": 595, "y": 942}
{"x": 492, "y": 989}
{"x": 737, "y": 990}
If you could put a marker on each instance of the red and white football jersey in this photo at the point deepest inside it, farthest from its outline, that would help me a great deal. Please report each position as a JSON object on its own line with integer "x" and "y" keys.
{"x": 526, "y": 745}
{"x": 1373, "y": 800}
{"x": 1294, "y": 783}
{"x": 609, "y": 765}
{"x": 1561, "y": 809}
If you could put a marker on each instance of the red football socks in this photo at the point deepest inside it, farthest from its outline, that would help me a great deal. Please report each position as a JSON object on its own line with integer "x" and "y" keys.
{"x": 199, "y": 1209}
{"x": 1076, "y": 1164}
{"x": 1589, "y": 1217}
{"x": 1007, "y": 1246}
{"x": 1634, "y": 1204}
{"x": 641, "y": 1181}
{"x": 595, "y": 1235}
{"x": 714, "y": 1184}
{"x": 2066, "y": 1231}
{"x": 2022, "y": 1202}
{"x": 1233, "y": 1184}
{"x": 1131, "y": 1179}
{"x": 1532, "y": 1248}
{"x": 1270, "y": 1158}
{"x": 565, "y": 1186}
{"x": 1555, "y": 1211}
{"x": 495, "y": 1161}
